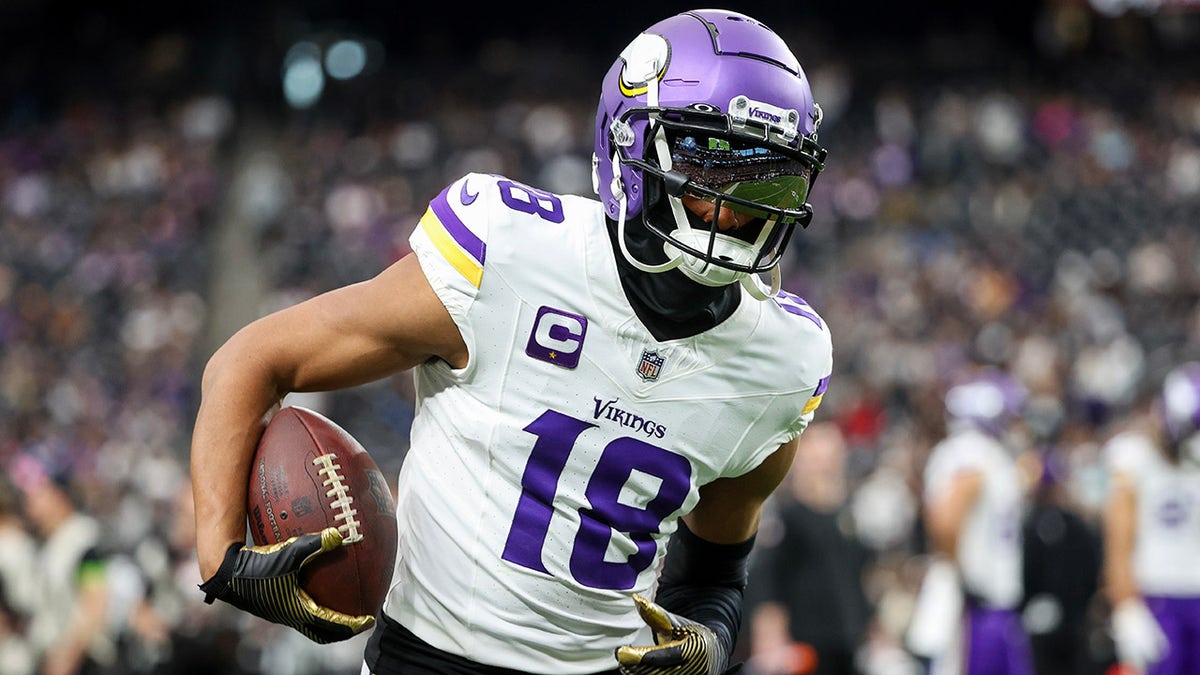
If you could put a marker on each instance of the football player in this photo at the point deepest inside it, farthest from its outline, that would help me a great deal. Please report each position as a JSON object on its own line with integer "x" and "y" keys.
{"x": 1152, "y": 532}
{"x": 967, "y": 619}
{"x": 595, "y": 380}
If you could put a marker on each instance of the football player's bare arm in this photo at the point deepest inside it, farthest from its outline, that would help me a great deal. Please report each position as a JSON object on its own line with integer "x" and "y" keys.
{"x": 346, "y": 337}
{"x": 944, "y": 517}
{"x": 729, "y": 509}
{"x": 1137, "y": 635}
{"x": 1120, "y": 525}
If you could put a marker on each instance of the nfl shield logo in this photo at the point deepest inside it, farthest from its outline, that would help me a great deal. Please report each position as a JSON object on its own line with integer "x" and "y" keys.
{"x": 650, "y": 366}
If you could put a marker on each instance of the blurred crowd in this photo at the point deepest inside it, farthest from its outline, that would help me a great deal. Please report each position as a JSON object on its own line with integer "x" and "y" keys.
{"x": 1003, "y": 219}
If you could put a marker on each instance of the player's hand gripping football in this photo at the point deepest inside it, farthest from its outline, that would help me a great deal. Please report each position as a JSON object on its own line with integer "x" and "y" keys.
{"x": 265, "y": 581}
{"x": 681, "y": 646}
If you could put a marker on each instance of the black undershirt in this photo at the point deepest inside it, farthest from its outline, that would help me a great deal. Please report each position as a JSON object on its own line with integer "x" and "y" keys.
{"x": 669, "y": 304}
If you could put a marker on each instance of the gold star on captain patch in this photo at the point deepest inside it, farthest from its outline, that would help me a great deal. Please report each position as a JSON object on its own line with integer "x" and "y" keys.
{"x": 554, "y": 355}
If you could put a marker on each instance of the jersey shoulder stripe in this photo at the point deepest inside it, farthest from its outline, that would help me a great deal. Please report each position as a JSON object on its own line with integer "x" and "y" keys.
{"x": 461, "y": 248}
{"x": 819, "y": 393}
{"x": 819, "y": 348}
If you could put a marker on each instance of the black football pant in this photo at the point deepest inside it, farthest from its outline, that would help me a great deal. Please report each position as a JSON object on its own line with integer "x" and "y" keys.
{"x": 394, "y": 650}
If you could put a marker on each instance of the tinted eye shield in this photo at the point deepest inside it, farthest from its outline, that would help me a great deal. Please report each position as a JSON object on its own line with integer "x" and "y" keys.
{"x": 743, "y": 176}
{"x": 748, "y": 168}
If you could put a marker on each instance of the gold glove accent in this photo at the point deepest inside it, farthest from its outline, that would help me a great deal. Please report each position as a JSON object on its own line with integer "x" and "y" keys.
{"x": 331, "y": 538}
{"x": 682, "y": 647}
{"x": 356, "y": 623}
{"x": 264, "y": 581}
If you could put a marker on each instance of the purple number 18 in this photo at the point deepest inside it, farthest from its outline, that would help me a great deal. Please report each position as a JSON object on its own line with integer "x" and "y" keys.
{"x": 556, "y": 435}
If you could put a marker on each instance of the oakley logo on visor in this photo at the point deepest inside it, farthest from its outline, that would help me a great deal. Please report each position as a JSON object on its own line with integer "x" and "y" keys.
{"x": 557, "y": 337}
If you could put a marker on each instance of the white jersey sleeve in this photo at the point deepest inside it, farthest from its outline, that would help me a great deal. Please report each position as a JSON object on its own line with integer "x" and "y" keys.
{"x": 451, "y": 247}
{"x": 545, "y": 478}
{"x": 1167, "y": 496}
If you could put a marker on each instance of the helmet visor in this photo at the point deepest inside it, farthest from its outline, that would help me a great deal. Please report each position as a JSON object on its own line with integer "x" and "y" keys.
{"x": 751, "y": 174}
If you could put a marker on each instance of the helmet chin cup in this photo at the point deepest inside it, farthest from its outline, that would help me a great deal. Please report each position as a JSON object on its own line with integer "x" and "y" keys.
{"x": 724, "y": 248}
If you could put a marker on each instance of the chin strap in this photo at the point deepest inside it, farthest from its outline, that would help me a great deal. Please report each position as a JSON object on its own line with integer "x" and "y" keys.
{"x": 755, "y": 287}
{"x": 619, "y": 192}
{"x": 751, "y": 281}
{"x": 664, "y": 159}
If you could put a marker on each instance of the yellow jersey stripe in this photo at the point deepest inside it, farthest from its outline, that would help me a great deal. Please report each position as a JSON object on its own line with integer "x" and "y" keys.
{"x": 812, "y": 404}
{"x": 471, "y": 270}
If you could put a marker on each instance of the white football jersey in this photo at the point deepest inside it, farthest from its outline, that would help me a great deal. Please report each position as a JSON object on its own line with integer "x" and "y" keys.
{"x": 989, "y": 551}
{"x": 545, "y": 478}
{"x": 1167, "y": 545}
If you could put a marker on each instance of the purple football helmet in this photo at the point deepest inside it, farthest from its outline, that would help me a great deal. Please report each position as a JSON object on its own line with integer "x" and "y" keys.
{"x": 710, "y": 104}
{"x": 989, "y": 400}
{"x": 1180, "y": 403}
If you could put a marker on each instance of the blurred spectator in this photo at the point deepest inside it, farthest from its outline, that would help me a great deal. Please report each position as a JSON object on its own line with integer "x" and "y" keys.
{"x": 811, "y": 616}
{"x": 69, "y": 630}
{"x": 17, "y": 583}
{"x": 169, "y": 629}
{"x": 1061, "y": 576}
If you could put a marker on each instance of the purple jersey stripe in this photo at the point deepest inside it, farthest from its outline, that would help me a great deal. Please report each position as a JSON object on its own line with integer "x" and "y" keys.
{"x": 795, "y": 304}
{"x": 822, "y": 385}
{"x": 455, "y": 227}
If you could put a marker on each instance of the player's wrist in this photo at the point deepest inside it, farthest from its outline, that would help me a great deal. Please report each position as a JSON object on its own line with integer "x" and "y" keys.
{"x": 211, "y": 554}
{"x": 217, "y": 583}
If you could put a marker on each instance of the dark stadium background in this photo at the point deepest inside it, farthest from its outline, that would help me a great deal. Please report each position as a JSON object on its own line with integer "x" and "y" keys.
{"x": 53, "y": 49}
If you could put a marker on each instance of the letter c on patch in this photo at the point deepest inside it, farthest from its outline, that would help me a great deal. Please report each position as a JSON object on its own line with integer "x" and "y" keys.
{"x": 557, "y": 337}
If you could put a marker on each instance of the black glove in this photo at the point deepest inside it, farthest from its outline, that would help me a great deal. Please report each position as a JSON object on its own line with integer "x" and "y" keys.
{"x": 264, "y": 581}
{"x": 681, "y": 647}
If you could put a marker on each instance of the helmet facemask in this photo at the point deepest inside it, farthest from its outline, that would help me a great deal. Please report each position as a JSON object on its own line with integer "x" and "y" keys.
{"x": 757, "y": 170}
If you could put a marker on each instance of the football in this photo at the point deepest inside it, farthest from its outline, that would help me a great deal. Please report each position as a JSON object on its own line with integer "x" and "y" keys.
{"x": 309, "y": 474}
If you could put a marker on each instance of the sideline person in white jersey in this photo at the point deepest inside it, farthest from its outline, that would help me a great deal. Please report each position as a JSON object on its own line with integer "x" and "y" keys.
{"x": 1152, "y": 532}
{"x": 607, "y": 390}
{"x": 968, "y": 623}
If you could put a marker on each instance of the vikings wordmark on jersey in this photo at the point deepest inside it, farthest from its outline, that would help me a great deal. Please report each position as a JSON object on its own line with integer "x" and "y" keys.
{"x": 554, "y": 464}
